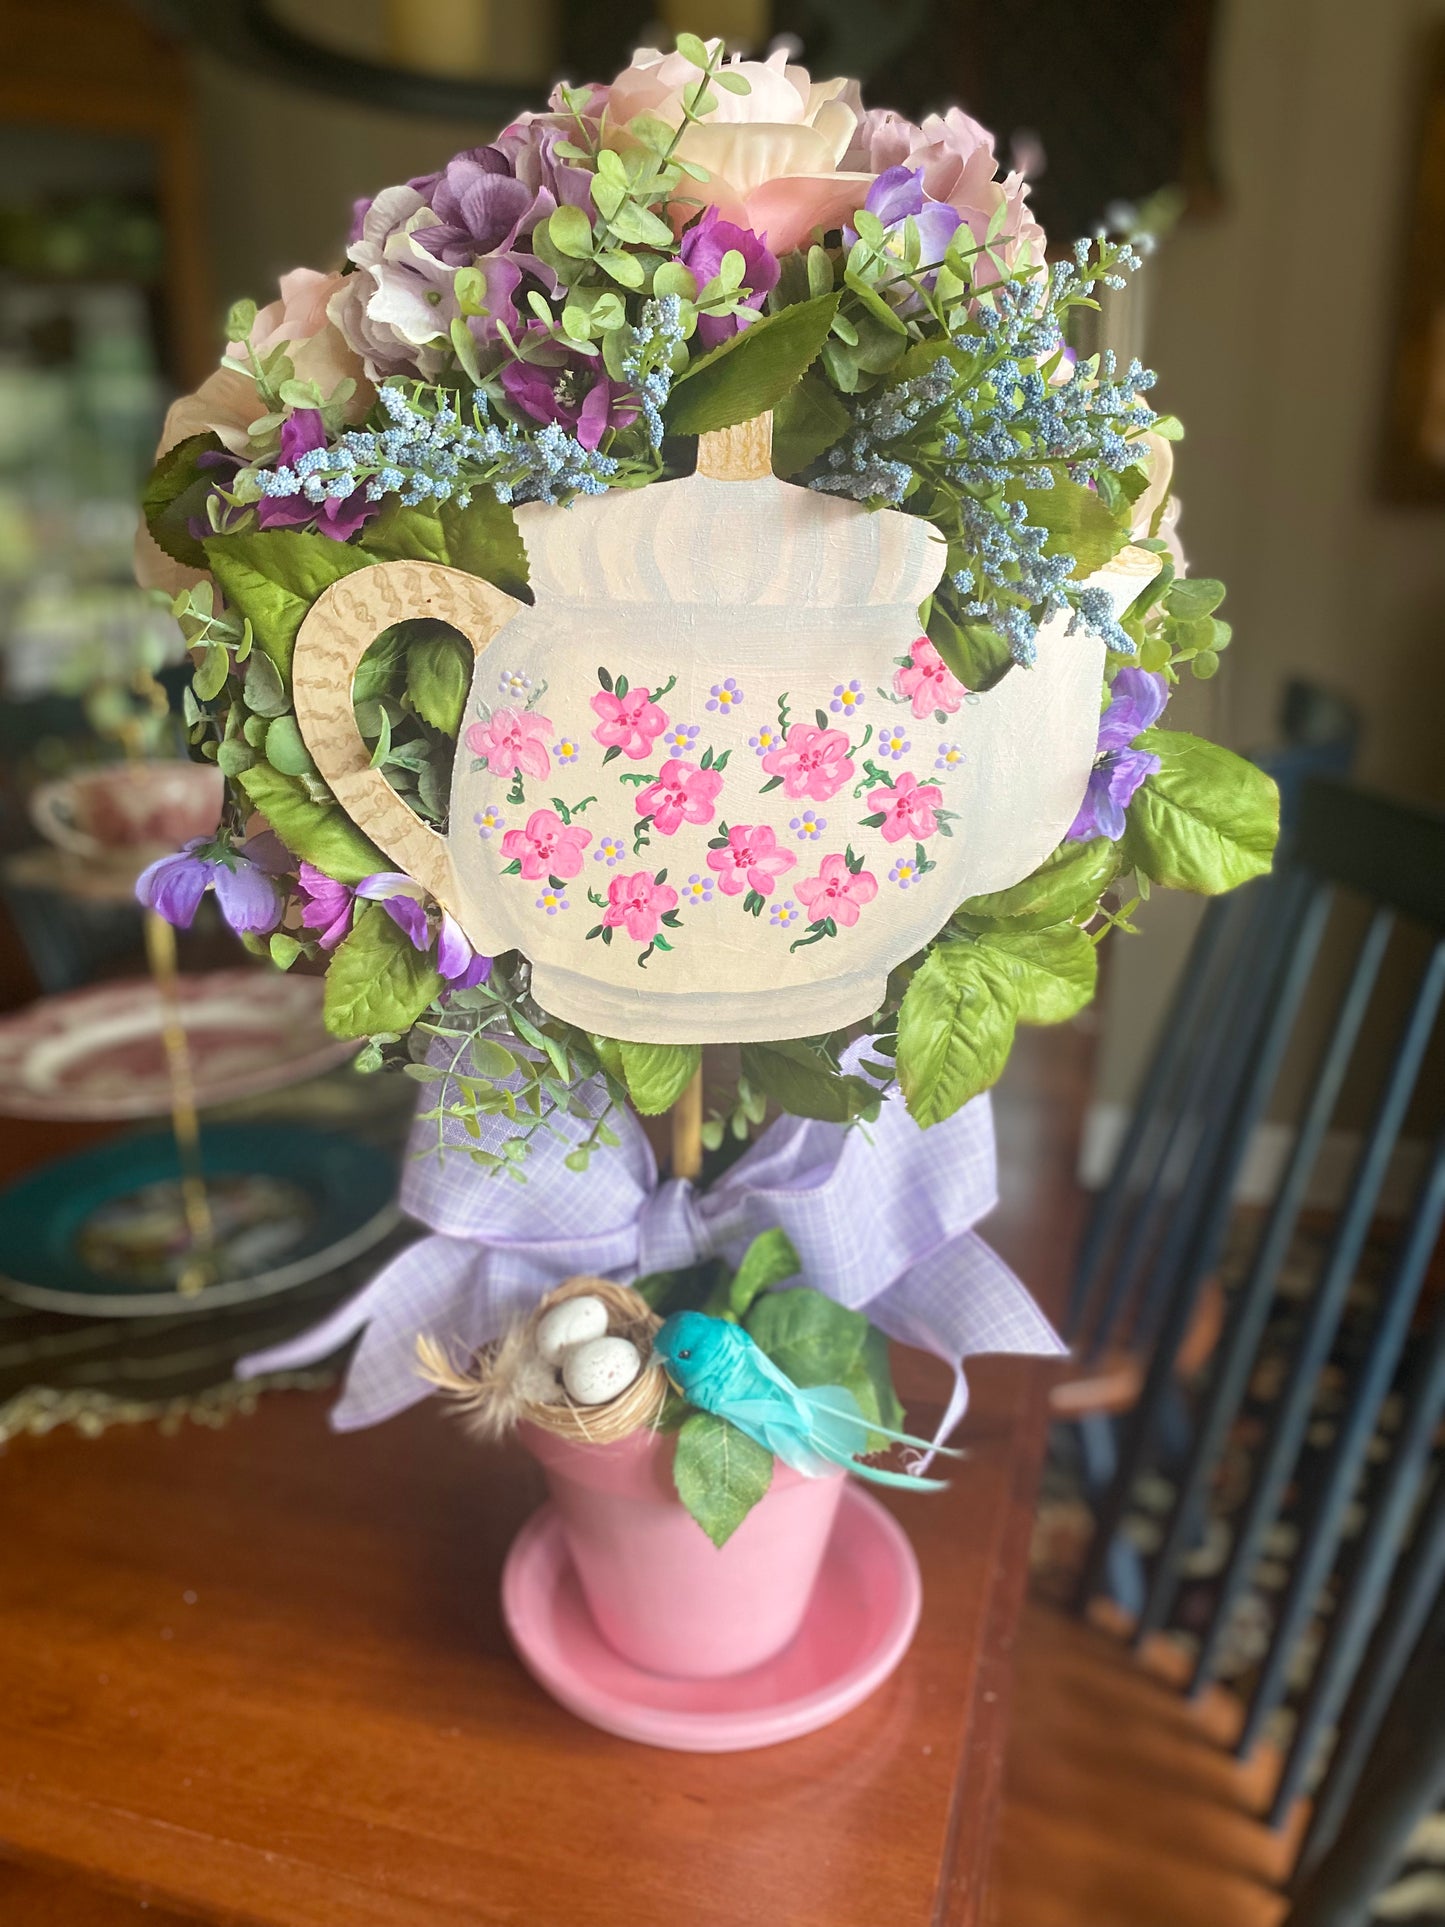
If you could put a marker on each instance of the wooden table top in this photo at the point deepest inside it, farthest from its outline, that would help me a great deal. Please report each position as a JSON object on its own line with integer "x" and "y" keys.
{"x": 258, "y": 1675}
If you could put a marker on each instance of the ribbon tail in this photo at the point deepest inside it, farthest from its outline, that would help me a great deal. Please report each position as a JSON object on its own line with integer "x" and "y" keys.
{"x": 960, "y": 1301}
{"x": 439, "y": 1285}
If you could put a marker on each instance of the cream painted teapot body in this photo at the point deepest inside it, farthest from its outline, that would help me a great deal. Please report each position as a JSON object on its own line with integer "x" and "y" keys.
{"x": 702, "y": 783}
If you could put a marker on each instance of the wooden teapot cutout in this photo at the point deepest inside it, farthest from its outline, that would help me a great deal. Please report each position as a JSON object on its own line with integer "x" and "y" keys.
{"x": 704, "y": 783}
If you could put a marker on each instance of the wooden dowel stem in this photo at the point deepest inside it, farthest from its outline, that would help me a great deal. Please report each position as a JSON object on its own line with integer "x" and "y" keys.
{"x": 687, "y": 1130}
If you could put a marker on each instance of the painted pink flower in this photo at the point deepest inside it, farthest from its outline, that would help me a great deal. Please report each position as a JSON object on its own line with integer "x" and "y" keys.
{"x": 837, "y": 892}
{"x": 512, "y": 740}
{"x": 683, "y": 793}
{"x": 548, "y": 846}
{"x": 811, "y": 761}
{"x": 637, "y": 904}
{"x": 929, "y": 681}
{"x": 631, "y": 723}
{"x": 907, "y": 809}
{"x": 750, "y": 860}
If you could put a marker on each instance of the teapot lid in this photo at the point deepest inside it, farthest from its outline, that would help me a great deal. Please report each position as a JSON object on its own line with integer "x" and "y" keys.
{"x": 731, "y": 534}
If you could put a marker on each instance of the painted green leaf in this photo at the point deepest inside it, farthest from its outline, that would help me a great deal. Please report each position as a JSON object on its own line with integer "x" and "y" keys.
{"x": 720, "y": 1474}
{"x": 658, "y": 1074}
{"x": 803, "y": 1083}
{"x": 322, "y": 833}
{"x": 272, "y": 576}
{"x": 807, "y": 420}
{"x": 438, "y": 676}
{"x": 752, "y": 370}
{"x": 768, "y": 1260}
{"x": 1207, "y": 820}
{"x": 1079, "y": 524}
{"x": 174, "y": 493}
{"x": 955, "y": 1030}
{"x": 1053, "y": 972}
{"x": 377, "y": 980}
{"x": 812, "y": 1338}
{"x": 1065, "y": 885}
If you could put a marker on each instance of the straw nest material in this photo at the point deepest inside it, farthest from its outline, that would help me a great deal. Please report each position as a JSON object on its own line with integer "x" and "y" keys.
{"x": 508, "y": 1382}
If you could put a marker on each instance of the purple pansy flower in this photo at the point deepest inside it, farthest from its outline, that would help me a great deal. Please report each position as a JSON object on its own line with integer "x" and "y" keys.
{"x": 242, "y": 879}
{"x": 339, "y": 517}
{"x": 326, "y": 905}
{"x": 557, "y": 385}
{"x": 401, "y": 899}
{"x": 1136, "y": 702}
{"x": 702, "y": 249}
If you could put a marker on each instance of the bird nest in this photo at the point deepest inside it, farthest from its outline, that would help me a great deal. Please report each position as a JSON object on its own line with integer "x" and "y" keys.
{"x": 507, "y": 1383}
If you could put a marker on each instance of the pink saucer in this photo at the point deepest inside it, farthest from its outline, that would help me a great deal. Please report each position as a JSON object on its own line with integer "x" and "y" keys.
{"x": 859, "y": 1626}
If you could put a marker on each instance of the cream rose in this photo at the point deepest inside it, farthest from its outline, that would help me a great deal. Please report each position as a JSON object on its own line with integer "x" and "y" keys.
{"x": 772, "y": 155}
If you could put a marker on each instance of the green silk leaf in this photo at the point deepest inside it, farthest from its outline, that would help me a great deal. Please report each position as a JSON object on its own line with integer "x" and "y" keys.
{"x": 1207, "y": 820}
{"x": 273, "y": 576}
{"x": 807, "y": 421}
{"x": 768, "y": 1260}
{"x": 176, "y": 491}
{"x": 1053, "y": 972}
{"x": 658, "y": 1074}
{"x": 438, "y": 677}
{"x": 720, "y": 1474}
{"x": 752, "y": 370}
{"x": 321, "y": 833}
{"x": 804, "y": 1084}
{"x": 377, "y": 981}
{"x": 481, "y": 539}
{"x": 1064, "y": 885}
{"x": 955, "y": 1030}
{"x": 1079, "y": 524}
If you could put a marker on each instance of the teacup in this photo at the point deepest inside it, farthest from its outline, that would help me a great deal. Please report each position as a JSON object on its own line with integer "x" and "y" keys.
{"x": 135, "y": 810}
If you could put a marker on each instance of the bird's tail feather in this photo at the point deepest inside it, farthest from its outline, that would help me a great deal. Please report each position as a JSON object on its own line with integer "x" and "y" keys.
{"x": 838, "y": 1405}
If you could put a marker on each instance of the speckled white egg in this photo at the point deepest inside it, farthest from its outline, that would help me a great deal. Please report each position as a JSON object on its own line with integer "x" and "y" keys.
{"x": 600, "y": 1368}
{"x": 573, "y": 1322}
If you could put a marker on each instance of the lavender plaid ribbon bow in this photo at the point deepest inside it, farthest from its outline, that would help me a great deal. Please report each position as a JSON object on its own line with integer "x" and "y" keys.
{"x": 881, "y": 1217}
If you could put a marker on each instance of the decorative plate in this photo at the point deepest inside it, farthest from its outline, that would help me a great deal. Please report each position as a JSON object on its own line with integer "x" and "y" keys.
{"x": 103, "y": 1233}
{"x": 97, "y": 1053}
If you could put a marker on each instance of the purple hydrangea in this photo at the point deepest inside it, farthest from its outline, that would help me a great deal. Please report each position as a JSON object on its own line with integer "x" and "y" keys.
{"x": 1136, "y": 702}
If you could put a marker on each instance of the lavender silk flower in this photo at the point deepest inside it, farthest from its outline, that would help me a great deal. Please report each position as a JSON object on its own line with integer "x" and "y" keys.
{"x": 401, "y": 899}
{"x": 702, "y": 249}
{"x": 898, "y": 196}
{"x": 173, "y": 886}
{"x": 1136, "y": 702}
{"x": 561, "y": 386}
{"x": 302, "y": 432}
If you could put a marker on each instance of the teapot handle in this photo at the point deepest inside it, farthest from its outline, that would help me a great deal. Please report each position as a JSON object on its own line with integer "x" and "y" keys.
{"x": 341, "y": 625}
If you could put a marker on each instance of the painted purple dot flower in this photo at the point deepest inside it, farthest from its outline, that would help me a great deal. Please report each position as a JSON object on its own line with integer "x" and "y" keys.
{"x": 725, "y": 696}
{"x": 766, "y": 740}
{"x": 785, "y": 913}
{"x": 847, "y": 697}
{"x": 552, "y": 901}
{"x": 680, "y": 739}
{"x": 809, "y": 826}
{"x": 893, "y": 743}
{"x": 1136, "y": 702}
{"x": 949, "y": 756}
{"x": 566, "y": 750}
{"x": 489, "y": 821}
{"x": 904, "y": 872}
{"x": 243, "y": 879}
{"x": 697, "y": 889}
{"x": 610, "y": 851}
{"x": 513, "y": 686}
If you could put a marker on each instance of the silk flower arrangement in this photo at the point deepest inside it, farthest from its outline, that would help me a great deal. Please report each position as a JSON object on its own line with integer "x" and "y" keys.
{"x": 678, "y": 585}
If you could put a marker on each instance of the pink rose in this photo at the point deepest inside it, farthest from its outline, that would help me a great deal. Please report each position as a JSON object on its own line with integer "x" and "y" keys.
{"x": 512, "y": 740}
{"x": 929, "y": 681}
{"x": 750, "y": 860}
{"x": 959, "y": 167}
{"x": 317, "y": 349}
{"x": 811, "y": 761}
{"x": 683, "y": 793}
{"x": 548, "y": 846}
{"x": 772, "y": 155}
{"x": 631, "y": 723}
{"x": 907, "y": 809}
{"x": 637, "y": 904}
{"x": 836, "y": 892}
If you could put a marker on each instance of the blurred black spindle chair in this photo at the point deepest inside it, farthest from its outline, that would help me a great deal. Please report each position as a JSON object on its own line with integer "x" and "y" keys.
{"x": 1387, "y": 1582}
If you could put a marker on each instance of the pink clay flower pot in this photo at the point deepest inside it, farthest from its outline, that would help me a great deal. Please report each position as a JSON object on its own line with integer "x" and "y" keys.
{"x": 662, "y": 1594}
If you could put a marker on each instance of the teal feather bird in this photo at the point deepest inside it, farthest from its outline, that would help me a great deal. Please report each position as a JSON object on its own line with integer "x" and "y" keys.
{"x": 719, "y": 1368}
